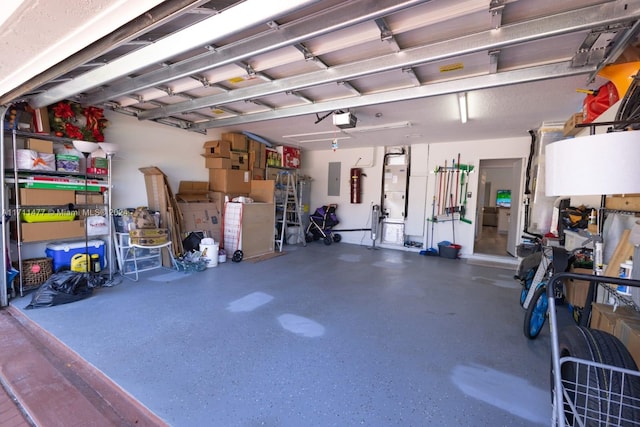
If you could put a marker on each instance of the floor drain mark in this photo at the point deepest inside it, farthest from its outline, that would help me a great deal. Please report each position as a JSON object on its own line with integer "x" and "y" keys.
{"x": 300, "y": 325}
{"x": 249, "y": 302}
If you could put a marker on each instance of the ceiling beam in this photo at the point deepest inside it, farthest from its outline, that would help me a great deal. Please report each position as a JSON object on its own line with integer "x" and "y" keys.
{"x": 345, "y": 15}
{"x": 245, "y": 15}
{"x": 532, "y": 74}
{"x": 508, "y": 35}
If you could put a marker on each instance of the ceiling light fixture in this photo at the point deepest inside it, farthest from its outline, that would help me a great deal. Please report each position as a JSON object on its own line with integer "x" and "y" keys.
{"x": 462, "y": 103}
{"x": 387, "y": 126}
{"x": 329, "y": 134}
{"x": 333, "y": 138}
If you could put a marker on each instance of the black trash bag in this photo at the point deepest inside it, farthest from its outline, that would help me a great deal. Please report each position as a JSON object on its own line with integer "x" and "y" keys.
{"x": 62, "y": 288}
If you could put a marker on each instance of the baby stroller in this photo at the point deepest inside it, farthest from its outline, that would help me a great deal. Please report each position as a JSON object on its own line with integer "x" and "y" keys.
{"x": 321, "y": 223}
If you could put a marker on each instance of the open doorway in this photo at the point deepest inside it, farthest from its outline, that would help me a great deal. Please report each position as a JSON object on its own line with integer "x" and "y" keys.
{"x": 497, "y": 222}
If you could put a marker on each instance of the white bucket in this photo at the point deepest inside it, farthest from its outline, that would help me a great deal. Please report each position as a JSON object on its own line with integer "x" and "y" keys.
{"x": 210, "y": 253}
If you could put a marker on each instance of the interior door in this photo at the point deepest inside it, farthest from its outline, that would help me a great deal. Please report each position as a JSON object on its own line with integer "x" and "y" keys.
{"x": 515, "y": 217}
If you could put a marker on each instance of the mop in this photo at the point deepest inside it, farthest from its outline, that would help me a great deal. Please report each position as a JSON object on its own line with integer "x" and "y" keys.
{"x": 433, "y": 251}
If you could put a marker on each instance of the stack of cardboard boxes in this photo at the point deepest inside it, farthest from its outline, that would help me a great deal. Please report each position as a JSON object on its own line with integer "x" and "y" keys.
{"x": 233, "y": 162}
{"x": 236, "y": 166}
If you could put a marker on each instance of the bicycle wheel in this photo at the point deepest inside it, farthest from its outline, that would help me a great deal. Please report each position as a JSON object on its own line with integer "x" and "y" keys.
{"x": 598, "y": 396}
{"x": 536, "y": 313}
{"x": 526, "y": 284}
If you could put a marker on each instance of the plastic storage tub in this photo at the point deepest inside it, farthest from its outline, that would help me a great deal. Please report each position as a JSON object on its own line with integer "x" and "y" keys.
{"x": 62, "y": 252}
{"x": 449, "y": 250}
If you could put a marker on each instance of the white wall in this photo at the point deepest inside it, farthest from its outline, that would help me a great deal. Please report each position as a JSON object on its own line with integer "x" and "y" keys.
{"x": 175, "y": 151}
{"x": 351, "y": 216}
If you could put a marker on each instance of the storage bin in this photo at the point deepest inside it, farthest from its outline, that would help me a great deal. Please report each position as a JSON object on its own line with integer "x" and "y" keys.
{"x": 448, "y": 250}
{"x": 35, "y": 271}
{"x": 62, "y": 252}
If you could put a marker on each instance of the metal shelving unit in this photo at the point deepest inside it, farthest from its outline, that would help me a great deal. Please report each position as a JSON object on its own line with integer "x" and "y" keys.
{"x": 16, "y": 177}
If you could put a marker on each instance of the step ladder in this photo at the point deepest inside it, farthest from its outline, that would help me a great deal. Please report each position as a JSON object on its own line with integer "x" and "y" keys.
{"x": 288, "y": 205}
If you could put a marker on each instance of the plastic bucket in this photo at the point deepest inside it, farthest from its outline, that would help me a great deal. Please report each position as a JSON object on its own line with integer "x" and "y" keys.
{"x": 450, "y": 251}
{"x": 210, "y": 253}
{"x": 222, "y": 256}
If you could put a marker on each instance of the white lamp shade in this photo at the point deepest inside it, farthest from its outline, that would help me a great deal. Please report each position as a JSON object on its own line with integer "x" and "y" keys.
{"x": 607, "y": 163}
{"x": 85, "y": 146}
{"x": 109, "y": 147}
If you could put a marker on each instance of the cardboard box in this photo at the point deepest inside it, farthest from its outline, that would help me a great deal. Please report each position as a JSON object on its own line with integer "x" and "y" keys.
{"x": 623, "y": 202}
{"x": 239, "y": 161}
{"x": 98, "y": 166}
{"x": 217, "y": 149}
{"x": 604, "y": 318}
{"x": 570, "y": 128}
{"x": 272, "y": 173}
{"x": 249, "y": 226}
{"x": 41, "y": 120}
{"x": 576, "y": 291}
{"x": 154, "y": 180}
{"x": 263, "y": 191}
{"x": 88, "y": 198}
{"x": 217, "y": 163}
{"x": 193, "y": 191}
{"x": 41, "y": 231}
{"x": 289, "y": 156}
{"x": 42, "y": 197}
{"x": 39, "y": 145}
{"x": 149, "y": 241}
{"x": 258, "y": 173}
{"x": 274, "y": 158}
{"x": 628, "y": 331}
{"x": 230, "y": 181}
{"x": 149, "y": 232}
{"x": 257, "y": 154}
{"x": 62, "y": 183}
{"x": 67, "y": 163}
{"x": 238, "y": 141}
{"x": 206, "y": 217}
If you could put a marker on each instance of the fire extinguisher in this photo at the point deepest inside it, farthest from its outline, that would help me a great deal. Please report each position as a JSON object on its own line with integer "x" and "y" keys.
{"x": 356, "y": 185}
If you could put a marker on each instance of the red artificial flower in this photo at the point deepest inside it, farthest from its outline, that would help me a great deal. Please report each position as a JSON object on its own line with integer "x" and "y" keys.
{"x": 63, "y": 110}
{"x": 72, "y": 131}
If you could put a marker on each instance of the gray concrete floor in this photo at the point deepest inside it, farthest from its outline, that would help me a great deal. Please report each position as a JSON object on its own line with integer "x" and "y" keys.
{"x": 336, "y": 335}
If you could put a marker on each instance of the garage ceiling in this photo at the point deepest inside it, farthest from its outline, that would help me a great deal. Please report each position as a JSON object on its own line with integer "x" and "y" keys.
{"x": 282, "y": 70}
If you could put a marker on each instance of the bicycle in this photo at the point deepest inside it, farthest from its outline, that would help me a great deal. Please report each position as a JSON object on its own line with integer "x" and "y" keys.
{"x": 535, "y": 277}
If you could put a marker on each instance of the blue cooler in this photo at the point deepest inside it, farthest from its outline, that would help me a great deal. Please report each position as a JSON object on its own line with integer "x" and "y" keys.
{"x": 62, "y": 252}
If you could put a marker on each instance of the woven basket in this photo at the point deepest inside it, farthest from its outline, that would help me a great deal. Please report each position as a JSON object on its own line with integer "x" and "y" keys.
{"x": 36, "y": 271}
